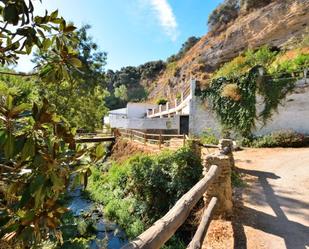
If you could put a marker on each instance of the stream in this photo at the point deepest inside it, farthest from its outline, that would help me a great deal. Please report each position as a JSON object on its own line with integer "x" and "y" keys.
{"x": 107, "y": 234}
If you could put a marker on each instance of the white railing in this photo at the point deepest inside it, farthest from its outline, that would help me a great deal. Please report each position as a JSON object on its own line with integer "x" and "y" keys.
{"x": 177, "y": 106}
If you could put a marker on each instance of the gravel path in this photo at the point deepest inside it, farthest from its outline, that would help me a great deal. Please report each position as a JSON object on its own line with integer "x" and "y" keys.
{"x": 274, "y": 210}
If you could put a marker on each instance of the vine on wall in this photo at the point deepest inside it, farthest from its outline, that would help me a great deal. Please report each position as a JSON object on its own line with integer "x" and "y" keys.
{"x": 234, "y": 99}
{"x": 266, "y": 74}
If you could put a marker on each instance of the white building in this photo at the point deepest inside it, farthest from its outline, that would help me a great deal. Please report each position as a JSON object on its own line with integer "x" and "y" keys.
{"x": 191, "y": 115}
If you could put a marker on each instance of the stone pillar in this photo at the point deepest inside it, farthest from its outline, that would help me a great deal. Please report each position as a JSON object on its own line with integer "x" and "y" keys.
{"x": 221, "y": 186}
{"x": 226, "y": 148}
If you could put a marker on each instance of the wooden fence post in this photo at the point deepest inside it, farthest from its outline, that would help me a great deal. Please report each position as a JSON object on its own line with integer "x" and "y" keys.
{"x": 160, "y": 140}
{"x": 131, "y": 135}
{"x": 184, "y": 140}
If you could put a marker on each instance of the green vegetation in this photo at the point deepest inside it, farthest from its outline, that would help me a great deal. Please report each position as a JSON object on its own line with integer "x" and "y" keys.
{"x": 125, "y": 84}
{"x": 223, "y": 14}
{"x": 142, "y": 189}
{"x": 277, "y": 139}
{"x": 235, "y": 86}
{"x": 79, "y": 99}
{"x": 38, "y": 154}
{"x": 172, "y": 69}
{"x": 208, "y": 137}
{"x": 189, "y": 43}
{"x": 237, "y": 181}
{"x": 161, "y": 101}
{"x": 229, "y": 10}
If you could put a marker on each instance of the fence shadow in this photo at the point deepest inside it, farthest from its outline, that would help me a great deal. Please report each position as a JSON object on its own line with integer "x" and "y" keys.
{"x": 295, "y": 235}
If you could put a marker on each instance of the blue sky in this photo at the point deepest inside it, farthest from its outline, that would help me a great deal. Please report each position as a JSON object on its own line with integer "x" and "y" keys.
{"x": 133, "y": 32}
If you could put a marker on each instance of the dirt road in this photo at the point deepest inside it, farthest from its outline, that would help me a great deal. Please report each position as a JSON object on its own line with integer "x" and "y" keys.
{"x": 272, "y": 211}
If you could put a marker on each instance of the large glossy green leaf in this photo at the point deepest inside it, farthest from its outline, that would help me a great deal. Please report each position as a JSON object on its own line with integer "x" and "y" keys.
{"x": 28, "y": 149}
{"x": 9, "y": 146}
{"x": 10, "y": 14}
{"x": 19, "y": 109}
{"x": 100, "y": 151}
{"x": 75, "y": 62}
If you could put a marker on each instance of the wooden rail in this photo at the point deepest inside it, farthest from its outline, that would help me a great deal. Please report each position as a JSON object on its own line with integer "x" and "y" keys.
{"x": 201, "y": 231}
{"x": 94, "y": 137}
{"x": 164, "y": 229}
{"x": 151, "y": 138}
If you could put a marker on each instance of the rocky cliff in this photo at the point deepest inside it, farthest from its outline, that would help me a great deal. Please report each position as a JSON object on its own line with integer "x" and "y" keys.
{"x": 278, "y": 24}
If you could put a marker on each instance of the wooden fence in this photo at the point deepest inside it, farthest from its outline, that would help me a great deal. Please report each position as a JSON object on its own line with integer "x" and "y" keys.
{"x": 160, "y": 140}
{"x": 165, "y": 228}
{"x": 94, "y": 137}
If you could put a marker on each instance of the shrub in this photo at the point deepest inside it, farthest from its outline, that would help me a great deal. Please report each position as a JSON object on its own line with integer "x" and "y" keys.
{"x": 143, "y": 188}
{"x": 208, "y": 137}
{"x": 231, "y": 91}
{"x": 223, "y": 14}
{"x": 264, "y": 56}
{"x": 279, "y": 139}
{"x": 299, "y": 62}
{"x": 237, "y": 181}
{"x": 189, "y": 43}
{"x": 161, "y": 101}
{"x": 248, "y": 5}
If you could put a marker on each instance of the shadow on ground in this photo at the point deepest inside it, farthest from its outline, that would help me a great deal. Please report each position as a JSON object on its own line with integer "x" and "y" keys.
{"x": 295, "y": 235}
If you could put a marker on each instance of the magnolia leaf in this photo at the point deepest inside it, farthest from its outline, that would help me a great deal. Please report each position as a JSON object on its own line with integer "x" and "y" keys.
{"x": 37, "y": 183}
{"x": 100, "y": 151}
{"x": 9, "y": 102}
{"x": 54, "y": 14}
{"x": 18, "y": 109}
{"x": 28, "y": 149}
{"x": 10, "y": 14}
{"x": 69, "y": 28}
{"x": 38, "y": 197}
{"x": 25, "y": 198}
{"x": 3, "y": 135}
{"x": 46, "y": 43}
{"x": 75, "y": 62}
{"x": 9, "y": 146}
{"x": 58, "y": 182}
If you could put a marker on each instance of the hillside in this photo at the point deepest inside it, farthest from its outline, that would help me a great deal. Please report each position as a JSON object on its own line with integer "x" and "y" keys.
{"x": 279, "y": 24}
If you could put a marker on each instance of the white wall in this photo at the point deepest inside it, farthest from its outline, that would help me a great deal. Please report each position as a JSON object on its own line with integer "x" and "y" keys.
{"x": 138, "y": 110}
{"x": 293, "y": 114}
{"x": 145, "y": 123}
{"x": 202, "y": 118}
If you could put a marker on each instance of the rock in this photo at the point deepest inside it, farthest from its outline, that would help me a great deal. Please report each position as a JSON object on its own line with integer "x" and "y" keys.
{"x": 100, "y": 226}
{"x": 275, "y": 25}
{"x": 110, "y": 227}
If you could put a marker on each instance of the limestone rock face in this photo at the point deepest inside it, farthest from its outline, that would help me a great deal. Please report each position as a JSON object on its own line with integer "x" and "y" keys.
{"x": 275, "y": 25}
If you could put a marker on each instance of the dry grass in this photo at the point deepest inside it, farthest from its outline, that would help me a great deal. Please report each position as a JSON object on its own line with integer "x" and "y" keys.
{"x": 231, "y": 91}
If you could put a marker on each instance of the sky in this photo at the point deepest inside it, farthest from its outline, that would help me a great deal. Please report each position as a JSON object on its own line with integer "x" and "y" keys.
{"x": 133, "y": 32}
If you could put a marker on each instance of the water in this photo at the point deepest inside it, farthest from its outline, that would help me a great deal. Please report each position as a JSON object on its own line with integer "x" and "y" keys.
{"x": 107, "y": 234}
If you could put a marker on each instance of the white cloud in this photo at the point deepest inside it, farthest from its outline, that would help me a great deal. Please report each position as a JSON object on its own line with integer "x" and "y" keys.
{"x": 166, "y": 17}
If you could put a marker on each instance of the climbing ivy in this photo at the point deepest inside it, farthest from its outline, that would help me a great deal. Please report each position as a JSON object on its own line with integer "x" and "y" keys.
{"x": 264, "y": 76}
{"x": 234, "y": 99}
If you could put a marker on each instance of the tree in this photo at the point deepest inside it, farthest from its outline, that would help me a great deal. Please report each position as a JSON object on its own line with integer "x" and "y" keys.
{"x": 223, "y": 14}
{"x": 121, "y": 92}
{"x": 189, "y": 43}
{"x": 80, "y": 99}
{"x": 247, "y": 5}
{"x": 38, "y": 154}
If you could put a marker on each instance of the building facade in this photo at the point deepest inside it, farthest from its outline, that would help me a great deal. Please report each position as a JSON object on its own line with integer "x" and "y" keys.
{"x": 189, "y": 114}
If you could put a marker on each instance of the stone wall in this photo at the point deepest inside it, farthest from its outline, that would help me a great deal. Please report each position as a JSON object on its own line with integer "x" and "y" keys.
{"x": 221, "y": 187}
